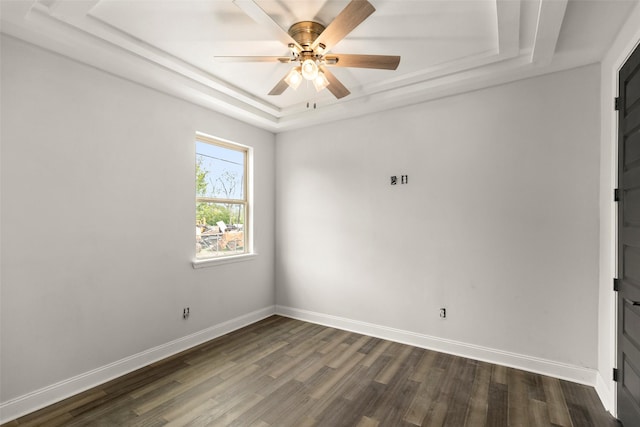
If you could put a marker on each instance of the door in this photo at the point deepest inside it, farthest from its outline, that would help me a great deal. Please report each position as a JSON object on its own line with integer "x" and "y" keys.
{"x": 629, "y": 242}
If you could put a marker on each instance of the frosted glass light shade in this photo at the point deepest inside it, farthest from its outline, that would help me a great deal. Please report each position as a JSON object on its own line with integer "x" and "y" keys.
{"x": 320, "y": 82}
{"x": 309, "y": 69}
{"x": 294, "y": 78}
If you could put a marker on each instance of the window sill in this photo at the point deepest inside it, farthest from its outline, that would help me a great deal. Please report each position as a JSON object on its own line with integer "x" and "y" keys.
{"x": 212, "y": 262}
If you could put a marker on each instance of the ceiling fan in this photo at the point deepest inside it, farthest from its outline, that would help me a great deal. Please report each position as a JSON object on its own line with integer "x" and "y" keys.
{"x": 310, "y": 43}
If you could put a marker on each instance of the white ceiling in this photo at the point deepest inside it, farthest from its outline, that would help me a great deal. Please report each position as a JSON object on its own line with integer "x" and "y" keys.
{"x": 447, "y": 47}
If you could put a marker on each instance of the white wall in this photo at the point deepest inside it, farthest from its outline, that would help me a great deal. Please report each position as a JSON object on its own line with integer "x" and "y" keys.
{"x": 499, "y": 221}
{"x": 98, "y": 221}
{"x": 625, "y": 42}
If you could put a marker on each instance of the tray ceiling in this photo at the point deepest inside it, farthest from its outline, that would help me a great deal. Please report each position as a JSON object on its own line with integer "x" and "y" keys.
{"x": 447, "y": 47}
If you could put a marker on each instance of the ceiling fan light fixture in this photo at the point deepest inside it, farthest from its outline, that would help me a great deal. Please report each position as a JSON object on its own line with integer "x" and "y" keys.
{"x": 310, "y": 42}
{"x": 294, "y": 78}
{"x": 309, "y": 69}
{"x": 320, "y": 82}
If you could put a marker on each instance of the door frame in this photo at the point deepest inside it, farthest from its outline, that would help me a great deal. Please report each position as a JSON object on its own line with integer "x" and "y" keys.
{"x": 619, "y": 51}
{"x": 619, "y": 62}
{"x": 629, "y": 407}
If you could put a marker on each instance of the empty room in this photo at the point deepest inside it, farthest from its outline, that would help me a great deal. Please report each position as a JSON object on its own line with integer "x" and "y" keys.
{"x": 320, "y": 213}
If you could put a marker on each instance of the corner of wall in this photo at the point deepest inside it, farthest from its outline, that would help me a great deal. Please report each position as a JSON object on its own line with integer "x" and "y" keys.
{"x": 605, "y": 394}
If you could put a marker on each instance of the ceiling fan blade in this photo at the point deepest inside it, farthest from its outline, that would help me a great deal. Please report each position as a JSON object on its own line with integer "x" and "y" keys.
{"x": 256, "y": 13}
{"x": 335, "y": 86}
{"x": 350, "y": 17}
{"x": 282, "y": 59}
{"x": 380, "y": 62}
{"x": 280, "y": 87}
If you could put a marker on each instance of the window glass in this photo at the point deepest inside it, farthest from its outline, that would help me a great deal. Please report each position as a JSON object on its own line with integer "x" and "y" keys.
{"x": 221, "y": 199}
{"x": 223, "y": 171}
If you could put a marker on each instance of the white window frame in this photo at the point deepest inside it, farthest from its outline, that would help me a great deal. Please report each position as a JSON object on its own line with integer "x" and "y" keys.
{"x": 247, "y": 203}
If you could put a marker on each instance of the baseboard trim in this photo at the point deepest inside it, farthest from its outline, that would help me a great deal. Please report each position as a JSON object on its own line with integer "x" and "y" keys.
{"x": 606, "y": 394}
{"x": 46, "y": 396}
{"x": 537, "y": 365}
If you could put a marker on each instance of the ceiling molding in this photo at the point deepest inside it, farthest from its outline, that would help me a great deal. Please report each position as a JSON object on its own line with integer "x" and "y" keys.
{"x": 76, "y": 29}
{"x": 63, "y": 9}
{"x": 508, "y": 16}
{"x": 550, "y": 16}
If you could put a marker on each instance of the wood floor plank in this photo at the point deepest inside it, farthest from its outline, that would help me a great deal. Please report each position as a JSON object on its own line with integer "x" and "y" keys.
{"x": 186, "y": 400}
{"x": 152, "y": 387}
{"x": 535, "y": 387}
{"x": 336, "y": 376}
{"x": 385, "y": 376}
{"x": 193, "y": 401}
{"x": 287, "y": 373}
{"x": 580, "y": 416}
{"x": 518, "y": 398}
{"x": 306, "y": 422}
{"x": 436, "y": 415}
{"x": 479, "y": 401}
{"x": 337, "y": 394}
{"x": 499, "y": 374}
{"x": 334, "y": 341}
{"x": 497, "y": 413}
{"x": 348, "y": 353}
{"x": 115, "y": 410}
{"x": 313, "y": 369}
{"x": 400, "y": 395}
{"x": 581, "y": 396}
{"x": 424, "y": 366}
{"x": 538, "y": 414}
{"x": 226, "y": 414}
{"x": 268, "y": 406}
{"x": 298, "y": 414}
{"x": 293, "y": 398}
{"x": 253, "y": 357}
{"x": 376, "y": 353}
{"x": 328, "y": 415}
{"x": 458, "y": 402}
{"x": 200, "y": 412}
{"x": 142, "y": 406}
{"x": 311, "y": 340}
{"x": 60, "y": 413}
{"x": 340, "y": 412}
{"x": 196, "y": 374}
{"x": 558, "y": 411}
{"x": 437, "y": 412}
{"x": 424, "y": 398}
{"x": 298, "y": 354}
{"x": 54, "y": 421}
{"x": 297, "y": 330}
{"x": 360, "y": 381}
{"x": 367, "y": 422}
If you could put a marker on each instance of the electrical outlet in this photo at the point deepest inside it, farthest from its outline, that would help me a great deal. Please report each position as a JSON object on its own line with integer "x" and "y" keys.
{"x": 443, "y": 313}
{"x": 185, "y": 312}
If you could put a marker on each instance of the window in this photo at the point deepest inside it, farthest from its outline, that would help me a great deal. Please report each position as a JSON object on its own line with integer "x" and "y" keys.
{"x": 221, "y": 198}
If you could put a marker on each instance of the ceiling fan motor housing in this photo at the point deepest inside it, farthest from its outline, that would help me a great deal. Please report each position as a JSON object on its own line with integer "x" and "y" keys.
{"x": 306, "y": 32}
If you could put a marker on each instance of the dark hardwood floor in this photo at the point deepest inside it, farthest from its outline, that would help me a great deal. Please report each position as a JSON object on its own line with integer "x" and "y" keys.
{"x": 284, "y": 372}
